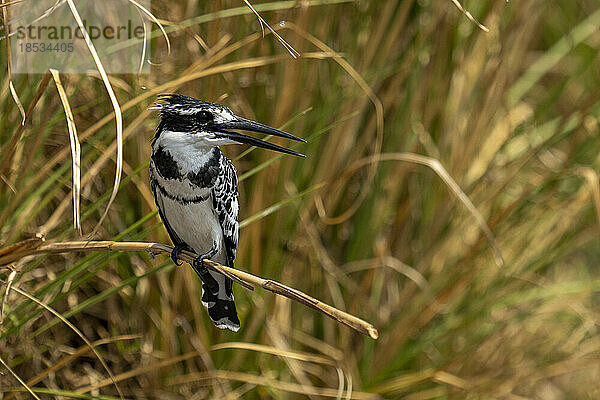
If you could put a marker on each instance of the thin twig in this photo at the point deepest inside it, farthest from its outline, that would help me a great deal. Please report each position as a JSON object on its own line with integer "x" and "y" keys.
{"x": 264, "y": 23}
{"x": 17, "y": 377}
{"x": 469, "y": 16}
{"x": 17, "y": 252}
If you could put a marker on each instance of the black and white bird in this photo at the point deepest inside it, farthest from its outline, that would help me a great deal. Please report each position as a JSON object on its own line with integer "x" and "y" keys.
{"x": 195, "y": 189}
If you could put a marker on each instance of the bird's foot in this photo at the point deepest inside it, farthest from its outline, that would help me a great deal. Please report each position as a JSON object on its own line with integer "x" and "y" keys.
{"x": 175, "y": 254}
{"x": 202, "y": 271}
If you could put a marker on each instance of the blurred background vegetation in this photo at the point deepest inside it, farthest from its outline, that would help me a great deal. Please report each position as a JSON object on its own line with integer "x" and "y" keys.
{"x": 511, "y": 114}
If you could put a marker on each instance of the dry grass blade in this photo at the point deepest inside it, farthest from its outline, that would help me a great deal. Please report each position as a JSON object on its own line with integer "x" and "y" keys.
{"x": 307, "y": 357}
{"x": 80, "y": 352}
{"x": 439, "y": 169}
{"x": 342, "y": 384}
{"x": 217, "y": 374}
{"x": 139, "y": 371}
{"x": 156, "y": 21}
{"x": 92, "y": 171}
{"x": 17, "y": 377}
{"x": 394, "y": 264}
{"x": 471, "y": 18}
{"x": 350, "y": 70}
{"x": 9, "y": 282}
{"x": 75, "y": 151}
{"x": 591, "y": 177}
{"x": 77, "y": 331}
{"x": 144, "y": 45}
{"x": 10, "y": 3}
{"x": 404, "y": 381}
{"x": 9, "y": 150}
{"x": 115, "y": 104}
{"x": 452, "y": 380}
{"x": 32, "y": 243}
{"x": 271, "y": 383}
{"x": 278, "y": 205}
{"x": 15, "y": 97}
{"x": 7, "y": 182}
{"x": 349, "y": 388}
{"x": 13, "y": 91}
{"x": 45, "y": 14}
{"x": 68, "y": 359}
{"x": 264, "y": 23}
{"x": 549, "y": 59}
{"x": 244, "y": 278}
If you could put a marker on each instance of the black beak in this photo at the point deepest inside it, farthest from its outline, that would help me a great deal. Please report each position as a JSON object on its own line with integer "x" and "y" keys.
{"x": 248, "y": 125}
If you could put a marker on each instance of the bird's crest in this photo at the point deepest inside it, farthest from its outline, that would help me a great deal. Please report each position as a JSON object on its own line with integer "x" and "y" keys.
{"x": 178, "y": 103}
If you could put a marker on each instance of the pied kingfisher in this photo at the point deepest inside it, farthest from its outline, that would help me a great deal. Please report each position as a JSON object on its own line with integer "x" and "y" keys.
{"x": 195, "y": 189}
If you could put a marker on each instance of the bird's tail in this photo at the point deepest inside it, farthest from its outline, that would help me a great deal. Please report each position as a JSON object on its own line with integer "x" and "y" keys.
{"x": 221, "y": 306}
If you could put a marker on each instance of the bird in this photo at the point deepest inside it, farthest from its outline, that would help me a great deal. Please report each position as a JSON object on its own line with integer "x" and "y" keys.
{"x": 195, "y": 189}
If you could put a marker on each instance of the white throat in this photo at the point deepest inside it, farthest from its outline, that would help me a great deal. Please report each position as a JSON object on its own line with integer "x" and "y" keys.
{"x": 190, "y": 151}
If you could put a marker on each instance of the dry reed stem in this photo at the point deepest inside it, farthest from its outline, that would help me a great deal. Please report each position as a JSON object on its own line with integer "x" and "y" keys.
{"x": 75, "y": 150}
{"x": 116, "y": 107}
{"x": 38, "y": 246}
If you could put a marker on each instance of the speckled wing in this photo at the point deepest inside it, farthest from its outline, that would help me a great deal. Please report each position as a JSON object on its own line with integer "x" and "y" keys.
{"x": 225, "y": 203}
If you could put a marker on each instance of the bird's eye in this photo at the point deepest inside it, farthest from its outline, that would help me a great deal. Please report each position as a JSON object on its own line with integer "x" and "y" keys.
{"x": 203, "y": 117}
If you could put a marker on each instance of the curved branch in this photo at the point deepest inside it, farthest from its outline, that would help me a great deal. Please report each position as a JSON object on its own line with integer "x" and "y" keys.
{"x": 37, "y": 246}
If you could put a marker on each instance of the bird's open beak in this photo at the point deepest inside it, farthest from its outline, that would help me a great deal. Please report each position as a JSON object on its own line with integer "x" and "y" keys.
{"x": 248, "y": 125}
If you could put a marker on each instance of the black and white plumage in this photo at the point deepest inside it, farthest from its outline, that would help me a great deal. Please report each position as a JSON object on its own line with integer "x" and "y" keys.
{"x": 195, "y": 189}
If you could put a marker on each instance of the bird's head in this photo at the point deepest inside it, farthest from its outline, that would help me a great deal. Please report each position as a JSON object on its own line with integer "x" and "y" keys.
{"x": 193, "y": 122}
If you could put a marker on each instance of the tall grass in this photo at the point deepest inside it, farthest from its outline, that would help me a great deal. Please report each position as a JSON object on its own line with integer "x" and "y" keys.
{"x": 512, "y": 115}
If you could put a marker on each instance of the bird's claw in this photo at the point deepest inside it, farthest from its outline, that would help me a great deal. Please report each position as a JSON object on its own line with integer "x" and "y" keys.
{"x": 175, "y": 255}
